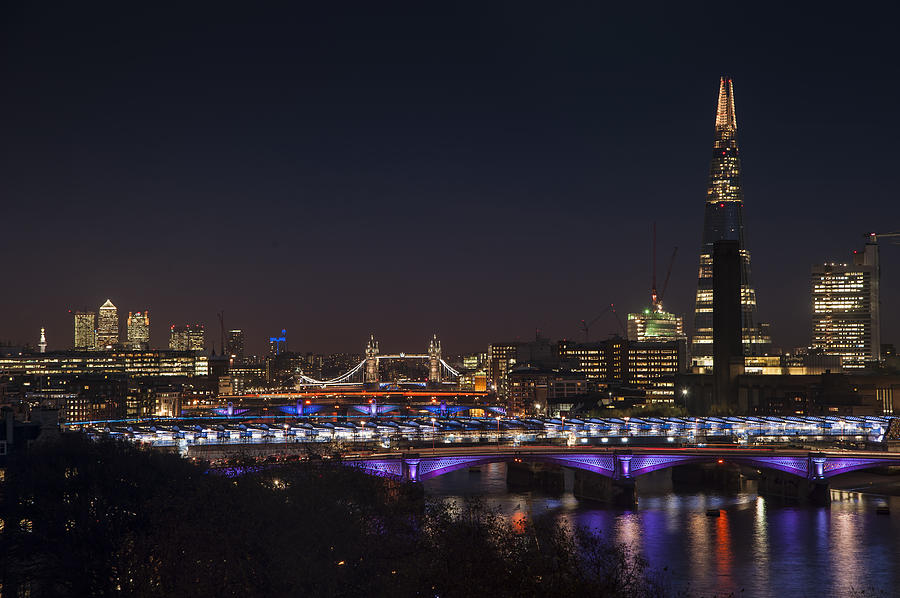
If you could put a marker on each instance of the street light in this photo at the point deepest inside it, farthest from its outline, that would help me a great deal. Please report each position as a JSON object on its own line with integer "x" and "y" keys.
{"x": 498, "y": 433}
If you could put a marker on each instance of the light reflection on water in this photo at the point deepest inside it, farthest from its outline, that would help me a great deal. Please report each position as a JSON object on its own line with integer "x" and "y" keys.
{"x": 756, "y": 547}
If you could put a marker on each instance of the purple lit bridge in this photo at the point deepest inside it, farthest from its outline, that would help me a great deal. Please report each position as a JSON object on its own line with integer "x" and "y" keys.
{"x": 620, "y": 465}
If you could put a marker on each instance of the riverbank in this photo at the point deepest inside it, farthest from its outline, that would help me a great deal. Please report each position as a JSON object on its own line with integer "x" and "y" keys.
{"x": 868, "y": 482}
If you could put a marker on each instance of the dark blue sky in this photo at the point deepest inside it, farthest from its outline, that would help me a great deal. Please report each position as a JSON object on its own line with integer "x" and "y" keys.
{"x": 479, "y": 170}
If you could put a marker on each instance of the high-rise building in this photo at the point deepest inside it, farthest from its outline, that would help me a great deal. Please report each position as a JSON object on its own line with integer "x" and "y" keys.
{"x": 139, "y": 330}
{"x": 108, "y": 326}
{"x": 724, "y": 221}
{"x": 653, "y": 365}
{"x": 501, "y": 359}
{"x": 234, "y": 345}
{"x": 191, "y": 337}
{"x": 196, "y": 337}
{"x": 587, "y": 359}
{"x": 845, "y": 308}
{"x": 650, "y": 365}
{"x": 278, "y": 344}
{"x": 42, "y": 344}
{"x": 85, "y": 330}
{"x": 655, "y": 325}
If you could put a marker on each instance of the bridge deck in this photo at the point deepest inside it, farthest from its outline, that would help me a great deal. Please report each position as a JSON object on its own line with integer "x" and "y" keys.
{"x": 588, "y": 450}
{"x": 619, "y": 464}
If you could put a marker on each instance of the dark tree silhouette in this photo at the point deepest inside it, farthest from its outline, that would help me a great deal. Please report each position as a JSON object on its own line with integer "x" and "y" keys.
{"x": 97, "y": 519}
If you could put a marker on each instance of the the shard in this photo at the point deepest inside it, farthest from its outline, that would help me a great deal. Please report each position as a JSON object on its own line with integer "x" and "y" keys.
{"x": 723, "y": 220}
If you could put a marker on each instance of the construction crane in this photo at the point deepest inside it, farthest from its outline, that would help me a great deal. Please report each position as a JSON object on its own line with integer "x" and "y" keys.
{"x": 586, "y": 326}
{"x": 221, "y": 315}
{"x": 656, "y": 298}
{"x": 873, "y": 237}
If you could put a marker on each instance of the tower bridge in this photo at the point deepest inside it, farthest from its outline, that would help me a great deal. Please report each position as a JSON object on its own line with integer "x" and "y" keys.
{"x": 368, "y": 372}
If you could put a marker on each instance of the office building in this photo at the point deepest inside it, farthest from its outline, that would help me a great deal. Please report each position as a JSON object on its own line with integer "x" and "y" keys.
{"x": 586, "y": 359}
{"x": 138, "y": 330}
{"x": 191, "y": 337}
{"x": 234, "y": 345}
{"x": 117, "y": 362}
{"x": 474, "y": 361}
{"x": 85, "y": 330}
{"x": 724, "y": 220}
{"x": 528, "y": 390}
{"x": 501, "y": 359}
{"x": 108, "y": 326}
{"x": 313, "y": 365}
{"x": 654, "y": 325}
{"x": 646, "y": 365}
{"x": 278, "y": 344}
{"x": 653, "y": 366}
{"x": 845, "y": 321}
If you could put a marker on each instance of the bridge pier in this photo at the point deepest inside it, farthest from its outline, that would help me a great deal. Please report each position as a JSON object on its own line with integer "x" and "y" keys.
{"x": 728, "y": 478}
{"x": 599, "y": 488}
{"x": 618, "y": 490}
{"x": 790, "y": 487}
{"x": 410, "y": 467}
{"x": 535, "y": 475}
{"x": 814, "y": 489}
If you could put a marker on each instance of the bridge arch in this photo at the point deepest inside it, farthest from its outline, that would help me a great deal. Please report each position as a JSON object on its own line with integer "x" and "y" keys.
{"x": 814, "y": 466}
{"x": 434, "y": 467}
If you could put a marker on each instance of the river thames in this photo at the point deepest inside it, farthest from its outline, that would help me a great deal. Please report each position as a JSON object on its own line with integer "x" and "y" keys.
{"x": 757, "y": 546}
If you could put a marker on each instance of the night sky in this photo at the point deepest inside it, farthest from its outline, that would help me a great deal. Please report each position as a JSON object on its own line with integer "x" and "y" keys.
{"x": 477, "y": 170}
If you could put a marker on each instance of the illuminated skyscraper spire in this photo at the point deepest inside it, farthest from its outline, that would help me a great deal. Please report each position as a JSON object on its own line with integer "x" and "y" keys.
{"x": 725, "y": 115}
{"x": 724, "y": 220}
{"x": 42, "y": 345}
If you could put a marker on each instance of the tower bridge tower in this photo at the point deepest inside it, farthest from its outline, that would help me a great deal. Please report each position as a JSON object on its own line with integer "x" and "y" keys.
{"x": 372, "y": 360}
{"x": 434, "y": 360}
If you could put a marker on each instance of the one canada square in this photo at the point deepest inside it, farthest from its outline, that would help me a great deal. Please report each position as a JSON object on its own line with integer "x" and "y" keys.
{"x": 723, "y": 220}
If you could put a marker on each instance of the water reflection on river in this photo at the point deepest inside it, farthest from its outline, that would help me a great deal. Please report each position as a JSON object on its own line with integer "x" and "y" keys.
{"x": 757, "y": 547}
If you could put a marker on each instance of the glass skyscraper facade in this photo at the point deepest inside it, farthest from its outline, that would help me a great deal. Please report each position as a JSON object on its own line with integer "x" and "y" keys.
{"x": 138, "y": 330}
{"x": 723, "y": 220}
{"x": 108, "y": 326}
{"x": 85, "y": 330}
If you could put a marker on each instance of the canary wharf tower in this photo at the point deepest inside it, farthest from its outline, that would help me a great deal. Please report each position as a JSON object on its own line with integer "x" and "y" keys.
{"x": 723, "y": 221}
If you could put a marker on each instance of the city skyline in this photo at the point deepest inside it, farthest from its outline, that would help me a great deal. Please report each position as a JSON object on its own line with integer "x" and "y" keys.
{"x": 407, "y": 195}
{"x": 469, "y": 271}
